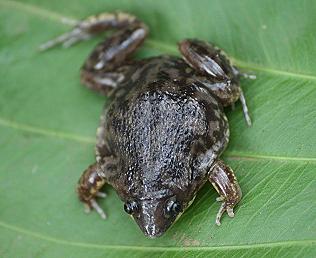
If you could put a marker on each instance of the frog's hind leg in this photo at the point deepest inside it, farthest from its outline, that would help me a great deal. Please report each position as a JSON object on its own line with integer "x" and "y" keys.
{"x": 224, "y": 181}
{"x": 215, "y": 71}
{"x": 106, "y": 67}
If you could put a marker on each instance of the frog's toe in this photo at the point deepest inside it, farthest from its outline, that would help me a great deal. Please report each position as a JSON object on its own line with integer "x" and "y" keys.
{"x": 87, "y": 208}
{"x": 219, "y": 214}
{"x": 94, "y": 205}
{"x": 101, "y": 194}
{"x": 80, "y": 36}
{"x": 67, "y": 39}
{"x": 97, "y": 208}
{"x": 220, "y": 199}
{"x": 230, "y": 212}
{"x": 224, "y": 207}
{"x": 248, "y": 76}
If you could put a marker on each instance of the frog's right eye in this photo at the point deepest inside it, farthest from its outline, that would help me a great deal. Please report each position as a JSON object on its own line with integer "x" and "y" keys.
{"x": 173, "y": 207}
{"x": 130, "y": 207}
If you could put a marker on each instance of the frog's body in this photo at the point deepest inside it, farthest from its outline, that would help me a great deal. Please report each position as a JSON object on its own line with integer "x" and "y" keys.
{"x": 160, "y": 129}
{"x": 162, "y": 133}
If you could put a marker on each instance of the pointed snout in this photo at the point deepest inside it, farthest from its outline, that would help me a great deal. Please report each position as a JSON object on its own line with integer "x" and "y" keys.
{"x": 152, "y": 230}
{"x": 151, "y": 218}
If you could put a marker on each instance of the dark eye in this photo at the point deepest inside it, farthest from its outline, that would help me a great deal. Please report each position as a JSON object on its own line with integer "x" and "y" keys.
{"x": 130, "y": 207}
{"x": 173, "y": 207}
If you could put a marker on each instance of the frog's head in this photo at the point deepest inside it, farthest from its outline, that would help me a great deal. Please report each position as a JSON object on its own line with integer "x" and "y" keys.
{"x": 155, "y": 215}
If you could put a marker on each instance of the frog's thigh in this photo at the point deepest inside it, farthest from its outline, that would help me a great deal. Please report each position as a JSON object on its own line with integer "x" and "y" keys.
{"x": 107, "y": 65}
{"x": 225, "y": 182}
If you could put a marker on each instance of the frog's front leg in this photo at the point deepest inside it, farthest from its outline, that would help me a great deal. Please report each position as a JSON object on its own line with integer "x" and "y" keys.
{"x": 89, "y": 186}
{"x": 224, "y": 181}
{"x": 106, "y": 67}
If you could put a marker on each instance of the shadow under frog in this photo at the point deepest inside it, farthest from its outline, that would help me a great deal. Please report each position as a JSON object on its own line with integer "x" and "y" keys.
{"x": 162, "y": 133}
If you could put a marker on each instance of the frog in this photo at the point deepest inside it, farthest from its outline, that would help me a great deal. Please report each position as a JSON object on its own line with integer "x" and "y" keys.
{"x": 163, "y": 128}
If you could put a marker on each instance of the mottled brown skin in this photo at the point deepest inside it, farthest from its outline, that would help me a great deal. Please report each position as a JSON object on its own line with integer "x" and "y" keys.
{"x": 161, "y": 136}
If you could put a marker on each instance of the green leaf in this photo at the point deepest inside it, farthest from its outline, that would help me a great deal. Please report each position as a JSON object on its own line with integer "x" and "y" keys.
{"x": 48, "y": 122}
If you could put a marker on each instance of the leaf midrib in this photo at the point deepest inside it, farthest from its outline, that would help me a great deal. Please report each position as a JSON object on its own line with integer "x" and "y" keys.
{"x": 154, "y": 248}
{"x": 153, "y": 43}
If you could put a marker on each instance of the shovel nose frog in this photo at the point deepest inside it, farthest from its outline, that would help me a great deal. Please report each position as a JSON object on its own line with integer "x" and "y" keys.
{"x": 164, "y": 128}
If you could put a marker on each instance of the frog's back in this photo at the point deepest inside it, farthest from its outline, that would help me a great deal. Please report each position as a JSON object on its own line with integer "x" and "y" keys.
{"x": 161, "y": 130}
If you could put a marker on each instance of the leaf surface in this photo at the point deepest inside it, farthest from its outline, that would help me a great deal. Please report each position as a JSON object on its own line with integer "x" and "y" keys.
{"x": 48, "y": 123}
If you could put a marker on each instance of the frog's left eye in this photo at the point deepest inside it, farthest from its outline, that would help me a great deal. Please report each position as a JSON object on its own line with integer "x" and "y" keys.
{"x": 130, "y": 207}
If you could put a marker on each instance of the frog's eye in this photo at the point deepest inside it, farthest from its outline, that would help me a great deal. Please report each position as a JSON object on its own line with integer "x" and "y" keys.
{"x": 130, "y": 207}
{"x": 173, "y": 207}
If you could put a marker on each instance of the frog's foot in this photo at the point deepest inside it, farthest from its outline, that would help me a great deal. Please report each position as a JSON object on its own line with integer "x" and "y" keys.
{"x": 88, "y": 204}
{"x": 91, "y": 26}
{"x": 89, "y": 185}
{"x": 224, "y": 181}
{"x": 244, "y": 75}
{"x": 67, "y": 39}
{"x": 224, "y": 207}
